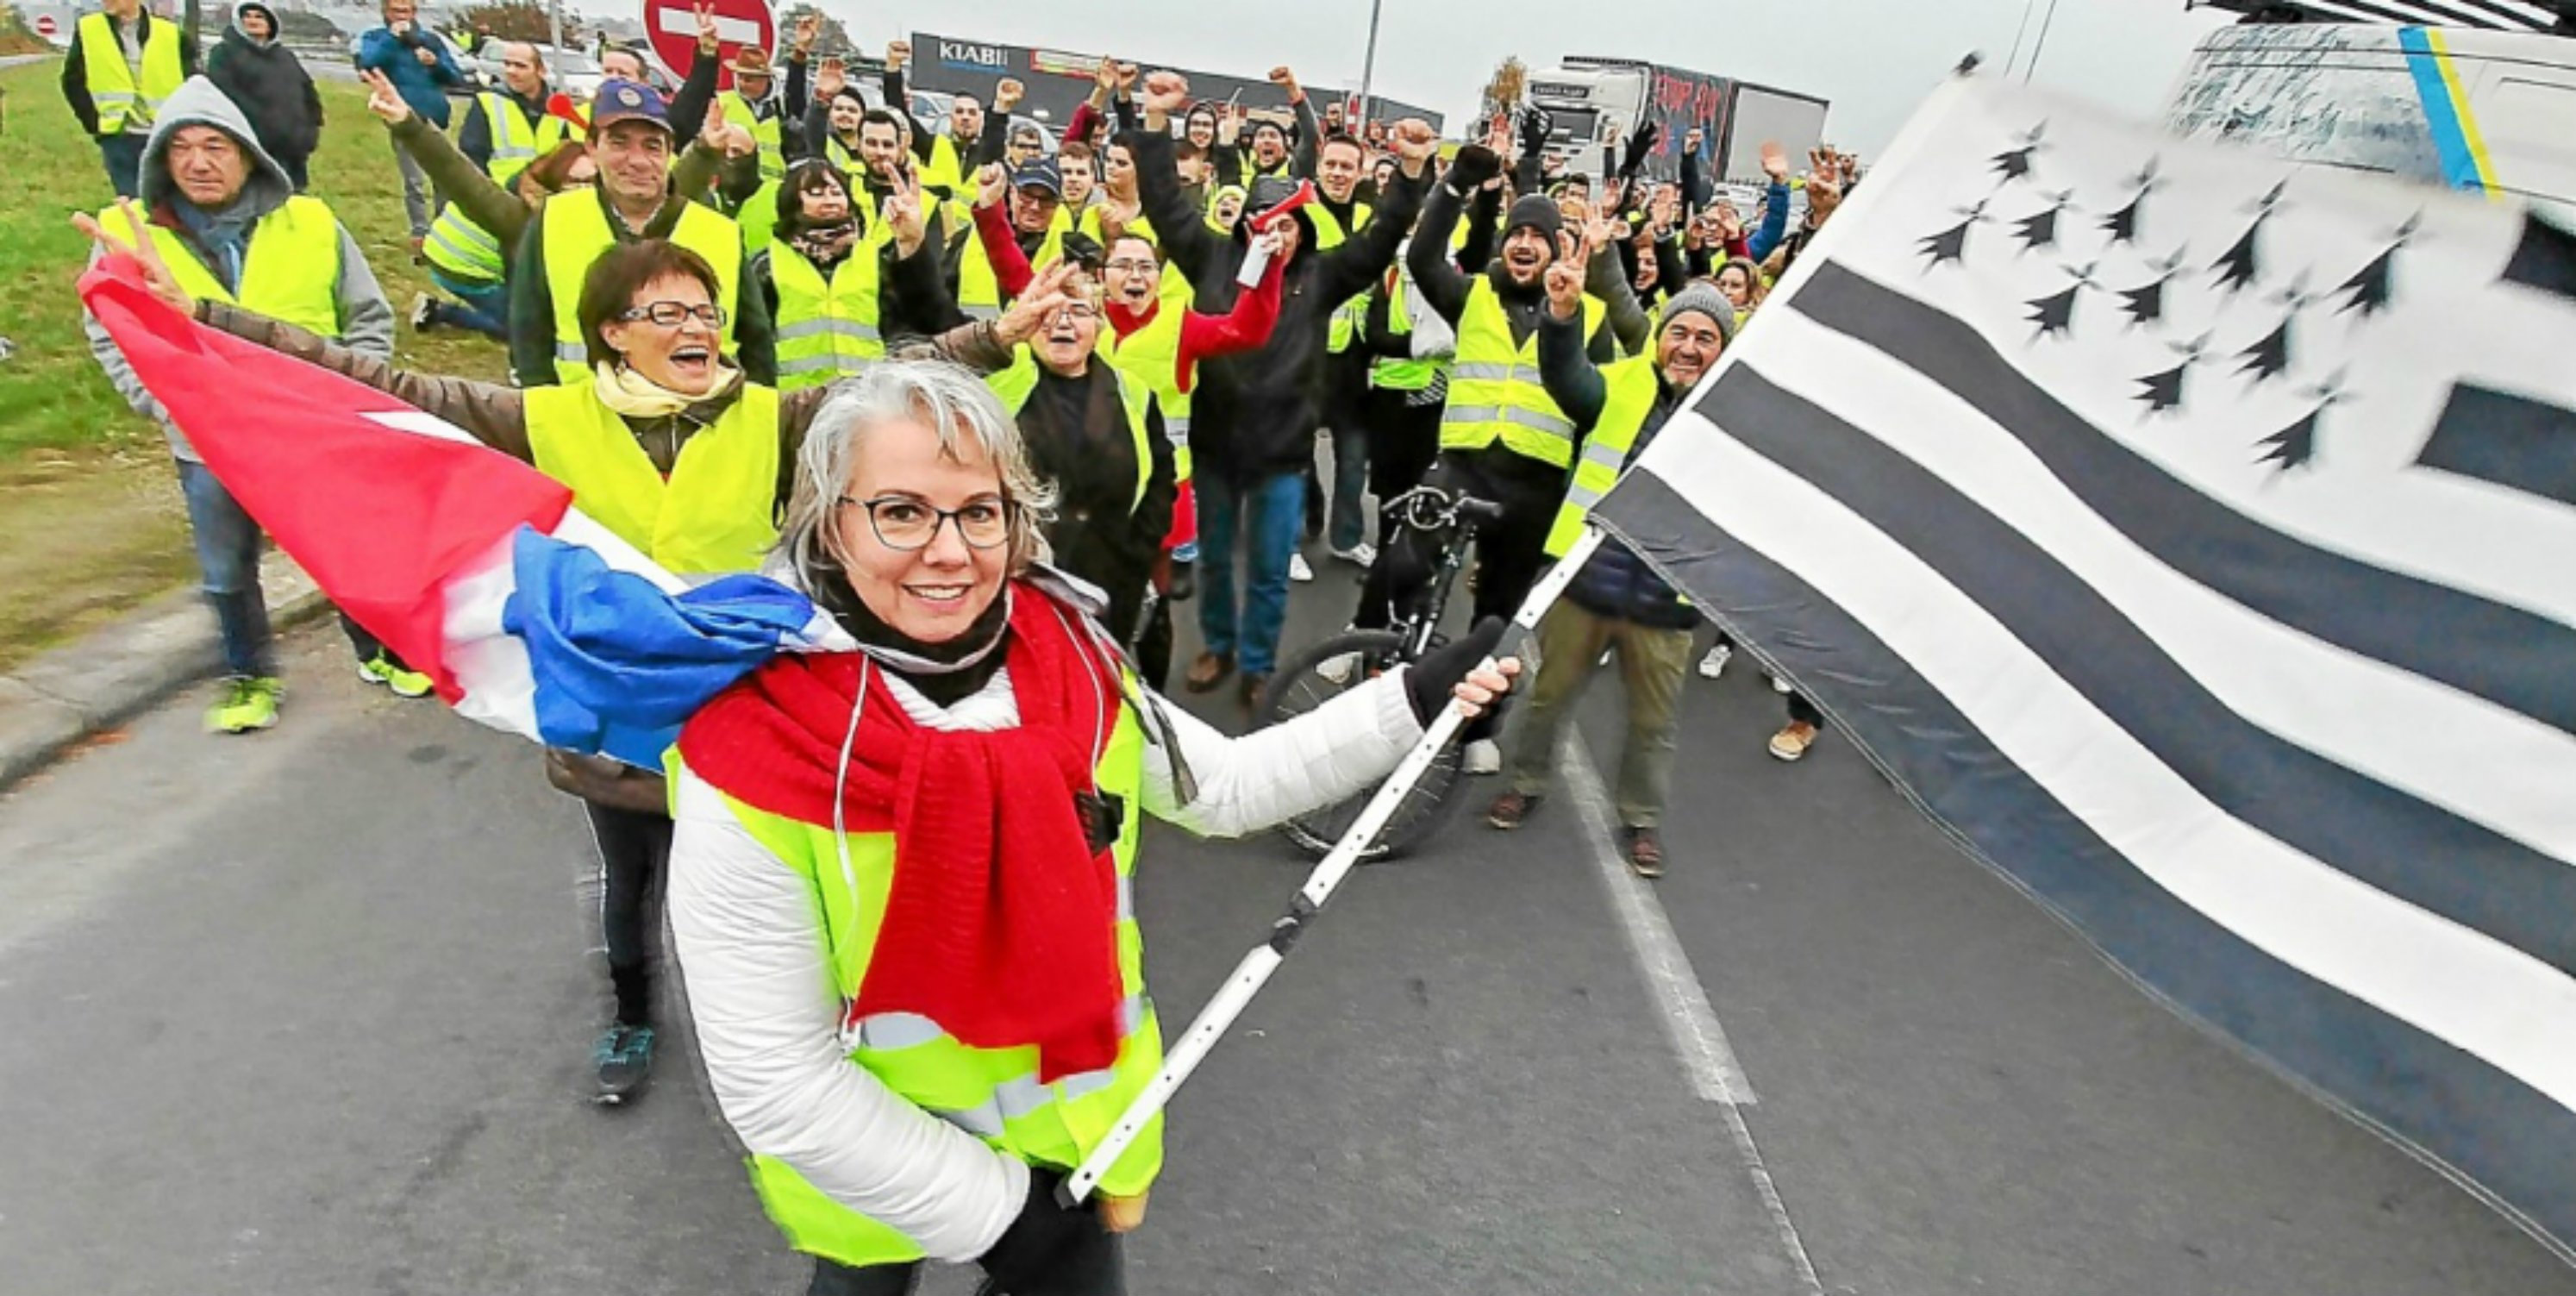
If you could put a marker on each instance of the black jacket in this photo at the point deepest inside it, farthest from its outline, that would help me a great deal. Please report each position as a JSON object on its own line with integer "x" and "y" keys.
{"x": 1254, "y": 412}
{"x": 1616, "y": 582}
{"x": 273, "y": 90}
{"x": 1077, "y": 434}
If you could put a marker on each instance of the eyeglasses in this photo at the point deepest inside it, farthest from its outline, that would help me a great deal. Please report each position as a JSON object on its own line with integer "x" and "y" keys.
{"x": 909, "y": 525}
{"x": 671, "y": 314}
{"x": 1131, "y": 265}
{"x": 1077, "y": 311}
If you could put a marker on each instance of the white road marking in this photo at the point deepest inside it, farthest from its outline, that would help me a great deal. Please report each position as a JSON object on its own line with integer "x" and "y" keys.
{"x": 1697, "y": 1037}
{"x": 1688, "y": 1020}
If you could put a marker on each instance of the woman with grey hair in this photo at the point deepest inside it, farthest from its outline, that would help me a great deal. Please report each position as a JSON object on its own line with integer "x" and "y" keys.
{"x": 900, "y": 886}
{"x": 671, "y": 447}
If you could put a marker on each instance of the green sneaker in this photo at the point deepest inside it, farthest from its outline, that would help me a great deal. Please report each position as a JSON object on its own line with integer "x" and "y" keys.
{"x": 381, "y": 669}
{"x": 247, "y": 704}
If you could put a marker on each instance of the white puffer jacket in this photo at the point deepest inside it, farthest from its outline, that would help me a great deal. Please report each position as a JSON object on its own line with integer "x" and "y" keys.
{"x": 752, "y": 954}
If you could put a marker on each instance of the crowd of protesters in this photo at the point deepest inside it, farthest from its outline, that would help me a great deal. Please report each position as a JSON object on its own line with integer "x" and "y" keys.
{"x": 1204, "y": 343}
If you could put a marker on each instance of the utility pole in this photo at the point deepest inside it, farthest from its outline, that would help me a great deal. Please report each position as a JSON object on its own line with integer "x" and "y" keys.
{"x": 2020, "y": 30}
{"x": 1368, "y": 66}
{"x": 2040, "y": 45}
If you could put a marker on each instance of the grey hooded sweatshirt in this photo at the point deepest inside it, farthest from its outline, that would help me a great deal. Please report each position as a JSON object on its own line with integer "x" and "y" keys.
{"x": 366, "y": 318}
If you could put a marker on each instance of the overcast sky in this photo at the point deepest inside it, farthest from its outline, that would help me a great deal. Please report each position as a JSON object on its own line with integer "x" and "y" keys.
{"x": 1873, "y": 58}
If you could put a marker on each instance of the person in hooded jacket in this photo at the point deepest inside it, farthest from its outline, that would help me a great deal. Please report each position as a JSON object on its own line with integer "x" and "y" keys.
{"x": 1253, "y": 423}
{"x": 225, "y": 217}
{"x": 271, "y": 87}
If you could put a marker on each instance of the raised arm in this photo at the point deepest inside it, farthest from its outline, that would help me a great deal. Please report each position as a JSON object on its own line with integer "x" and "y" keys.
{"x": 1011, "y": 269}
{"x": 1310, "y": 132}
{"x": 1564, "y": 367}
{"x": 455, "y": 175}
{"x": 1245, "y": 328}
{"x": 1348, "y": 270}
{"x": 1607, "y": 277}
{"x": 489, "y": 412}
{"x": 1181, "y": 224}
{"x": 689, "y": 104}
{"x": 1443, "y": 286}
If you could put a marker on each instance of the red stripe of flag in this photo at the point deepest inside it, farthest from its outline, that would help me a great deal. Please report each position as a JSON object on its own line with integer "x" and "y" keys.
{"x": 379, "y": 517}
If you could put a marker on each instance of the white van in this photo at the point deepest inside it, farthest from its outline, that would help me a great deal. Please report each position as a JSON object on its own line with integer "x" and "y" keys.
{"x": 2482, "y": 110}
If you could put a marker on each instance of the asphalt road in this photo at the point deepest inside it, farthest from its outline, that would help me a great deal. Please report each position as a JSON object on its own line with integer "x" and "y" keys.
{"x": 309, "y": 1012}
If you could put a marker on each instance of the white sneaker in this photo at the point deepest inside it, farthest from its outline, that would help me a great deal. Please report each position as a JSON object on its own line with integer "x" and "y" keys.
{"x": 1362, "y": 554}
{"x": 1781, "y": 686}
{"x": 1298, "y": 571}
{"x": 1714, "y": 664}
{"x": 1338, "y": 669}
{"x": 424, "y": 312}
{"x": 1483, "y": 756}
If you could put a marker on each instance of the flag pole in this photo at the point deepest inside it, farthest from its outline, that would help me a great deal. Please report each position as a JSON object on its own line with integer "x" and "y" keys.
{"x": 1254, "y": 971}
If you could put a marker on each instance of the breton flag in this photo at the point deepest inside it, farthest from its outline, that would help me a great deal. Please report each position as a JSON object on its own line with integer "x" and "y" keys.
{"x": 473, "y": 567}
{"x": 2193, "y": 536}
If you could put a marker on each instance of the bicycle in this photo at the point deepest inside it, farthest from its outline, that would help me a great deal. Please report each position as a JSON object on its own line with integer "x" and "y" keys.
{"x": 1445, "y": 522}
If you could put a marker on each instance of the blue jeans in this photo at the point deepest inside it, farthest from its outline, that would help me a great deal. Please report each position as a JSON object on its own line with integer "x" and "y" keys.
{"x": 1350, "y": 483}
{"x": 123, "y": 156}
{"x": 484, "y": 308}
{"x": 1269, "y": 514}
{"x": 228, "y": 571}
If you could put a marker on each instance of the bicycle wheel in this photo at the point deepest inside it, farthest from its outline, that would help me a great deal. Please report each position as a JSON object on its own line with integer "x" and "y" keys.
{"x": 1326, "y": 671}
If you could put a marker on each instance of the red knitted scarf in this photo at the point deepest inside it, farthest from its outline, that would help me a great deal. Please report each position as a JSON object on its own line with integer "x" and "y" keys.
{"x": 1001, "y": 922}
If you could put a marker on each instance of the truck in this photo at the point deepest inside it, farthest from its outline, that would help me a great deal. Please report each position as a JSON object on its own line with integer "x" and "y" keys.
{"x": 1592, "y": 101}
{"x": 2489, "y": 109}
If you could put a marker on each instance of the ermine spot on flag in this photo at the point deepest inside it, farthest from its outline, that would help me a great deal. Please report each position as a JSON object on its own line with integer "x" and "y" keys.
{"x": 2231, "y": 615}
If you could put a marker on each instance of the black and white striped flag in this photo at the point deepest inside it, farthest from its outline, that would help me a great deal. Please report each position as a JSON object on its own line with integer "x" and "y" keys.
{"x": 2195, "y": 538}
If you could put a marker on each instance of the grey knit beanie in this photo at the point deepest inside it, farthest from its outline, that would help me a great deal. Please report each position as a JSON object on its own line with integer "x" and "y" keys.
{"x": 1707, "y": 300}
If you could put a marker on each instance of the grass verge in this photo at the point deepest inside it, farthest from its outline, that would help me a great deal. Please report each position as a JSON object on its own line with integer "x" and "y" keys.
{"x": 90, "y": 518}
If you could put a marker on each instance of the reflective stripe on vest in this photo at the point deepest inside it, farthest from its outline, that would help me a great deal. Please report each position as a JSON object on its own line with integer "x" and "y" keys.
{"x": 464, "y": 249}
{"x": 1495, "y": 392}
{"x": 713, "y": 514}
{"x": 1629, "y": 397}
{"x": 576, "y": 232}
{"x": 516, "y": 144}
{"x": 111, "y": 85}
{"x": 826, "y": 329}
{"x": 1151, "y": 359}
{"x": 764, "y": 132}
{"x": 1402, "y": 375}
{"x": 1329, "y": 235}
{"x": 290, "y": 268}
{"x": 992, "y": 1093}
{"x": 1014, "y": 383}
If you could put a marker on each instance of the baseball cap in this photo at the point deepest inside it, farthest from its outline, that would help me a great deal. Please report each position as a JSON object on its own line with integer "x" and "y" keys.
{"x": 1039, "y": 174}
{"x": 620, "y": 100}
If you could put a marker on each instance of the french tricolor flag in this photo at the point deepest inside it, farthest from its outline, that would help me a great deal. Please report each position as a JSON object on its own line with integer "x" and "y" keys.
{"x": 529, "y": 616}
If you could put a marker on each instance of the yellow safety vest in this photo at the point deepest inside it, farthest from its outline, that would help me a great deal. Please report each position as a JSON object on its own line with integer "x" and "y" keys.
{"x": 764, "y": 131}
{"x": 716, "y": 513}
{"x": 290, "y": 268}
{"x": 1013, "y": 385}
{"x": 979, "y": 292}
{"x": 456, "y": 244}
{"x": 758, "y": 216}
{"x": 1407, "y": 375}
{"x": 945, "y": 170}
{"x": 1631, "y": 396}
{"x": 826, "y": 330}
{"x": 993, "y": 1094}
{"x": 1494, "y": 387}
{"x": 111, "y": 83}
{"x": 576, "y": 233}
{"x": 1150, "y": 358}
{"x": 1329, "y": 235}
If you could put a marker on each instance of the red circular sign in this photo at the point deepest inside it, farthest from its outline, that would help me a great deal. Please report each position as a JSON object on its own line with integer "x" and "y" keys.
{"x": 44, "y": 24}
{"x": 672, "y": 26}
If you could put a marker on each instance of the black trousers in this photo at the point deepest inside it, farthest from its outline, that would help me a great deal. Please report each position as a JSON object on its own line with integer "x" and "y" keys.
{"x": 1100, "y": 1271}
{"x": 1403, "y": 441}
{"x": 634, "y": 856}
